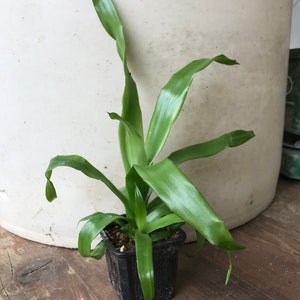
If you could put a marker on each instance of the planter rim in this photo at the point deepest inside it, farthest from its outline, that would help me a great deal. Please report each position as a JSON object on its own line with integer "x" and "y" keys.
{"x": 167, "y": 243}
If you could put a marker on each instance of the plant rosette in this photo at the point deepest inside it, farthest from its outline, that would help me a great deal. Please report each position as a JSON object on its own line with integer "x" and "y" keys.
{"x": 157, "y": 196}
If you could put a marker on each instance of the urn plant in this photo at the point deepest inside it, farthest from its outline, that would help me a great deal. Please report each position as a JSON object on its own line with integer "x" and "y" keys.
{"x": 157, "y": 197}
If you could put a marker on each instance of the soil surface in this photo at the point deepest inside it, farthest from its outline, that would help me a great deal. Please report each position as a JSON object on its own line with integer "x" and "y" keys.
{"x": 124, "y": 243}
{"x": 119, "y": 239}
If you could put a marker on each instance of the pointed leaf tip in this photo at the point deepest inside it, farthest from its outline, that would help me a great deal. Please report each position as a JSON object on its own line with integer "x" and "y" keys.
{"x": 50, "y": 191}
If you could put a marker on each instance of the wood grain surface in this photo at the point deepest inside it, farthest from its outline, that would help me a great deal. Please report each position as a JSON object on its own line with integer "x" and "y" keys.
{"x": 269, "y": 268}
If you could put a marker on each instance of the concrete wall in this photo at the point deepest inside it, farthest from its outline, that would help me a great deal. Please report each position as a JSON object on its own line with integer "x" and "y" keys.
{"x": 60, "y": 75}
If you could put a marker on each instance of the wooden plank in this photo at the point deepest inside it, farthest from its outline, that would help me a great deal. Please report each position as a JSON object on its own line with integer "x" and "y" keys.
{"x": 271, "y": 260}
{"x": 269, "y": 268}
{"x": 94, "y": 274}
{"x": 30, "y": 270}
{"x": 286, "y": 206}
{"x": 200, "y": 278}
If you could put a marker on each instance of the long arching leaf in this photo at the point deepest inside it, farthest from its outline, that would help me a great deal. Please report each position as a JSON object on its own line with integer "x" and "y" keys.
{"x": 99, "y": 251}
{"x": 170, "y": 102}
{"x": 231, "y": 139}
{"x": 182, "y": 197}
{"x": 162, "y": 222}
{"x": 156, "y": 209}
{"x": 81, "y": 164}
{"x": 91, "y": 229}
{"x": 131, "y": 111}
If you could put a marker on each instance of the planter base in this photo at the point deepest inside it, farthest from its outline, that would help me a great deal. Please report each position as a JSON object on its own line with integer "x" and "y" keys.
{"x": 123, "y": 275}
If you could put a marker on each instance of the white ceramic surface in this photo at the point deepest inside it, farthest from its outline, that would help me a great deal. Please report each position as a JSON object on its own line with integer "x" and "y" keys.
{"x": 62, "y": 75}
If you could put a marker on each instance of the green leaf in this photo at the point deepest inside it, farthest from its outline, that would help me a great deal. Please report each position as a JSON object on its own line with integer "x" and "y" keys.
{"x": 137, "y": 190}
{"x": 156, "y": 209}
{"x": 131, "y": 111}
{"x": 111, "y": 22}
{"x": 91, "y": 229}
{"x": 50, "y": 191}
{"x": 229, "y": 268}
{"x": 99, "y": 251}
{"x": 182, "y": 197}
{"x": 231, "y": 139}
{"x": 199, "y": 245}
{"x": 161, "y": 223}
{"x": 200, "y": 241}
{"x": 135, "y": 143}
{"x": 144, "y": 259}
{"x": 170, "y": 102}
{"x": 78, "y": 163}
{"x": 161, "y": 234}
{"x": 140, "y": 209}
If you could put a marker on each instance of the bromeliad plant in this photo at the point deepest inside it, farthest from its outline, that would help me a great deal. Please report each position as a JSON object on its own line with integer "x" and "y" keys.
{"x": 177, "y": 200}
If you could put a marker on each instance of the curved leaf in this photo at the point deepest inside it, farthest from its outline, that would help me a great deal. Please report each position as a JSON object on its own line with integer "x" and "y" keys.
{"x": 99, "y": 251}
{"x": 91, "y": 229}
{"x": 161, "y": 223}
{"x": 157, "y": 209}
{"x": 111, "y": 22}
{"x": 182, "y": 197}
{"x": 81, "y": 164}
{"x": 199, "y": 245}
{"x": 229, "y": 267}
{"x": 131, "y": 111}
{"x": 170, "y": 102}
{"x": 231, "y": 139}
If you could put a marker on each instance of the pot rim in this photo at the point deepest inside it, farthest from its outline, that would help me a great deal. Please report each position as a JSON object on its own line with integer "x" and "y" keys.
{"x": 158, "y": 244}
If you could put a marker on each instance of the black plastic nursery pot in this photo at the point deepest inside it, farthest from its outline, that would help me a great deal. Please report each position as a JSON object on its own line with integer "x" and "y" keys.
{"x": 123, "y": 274}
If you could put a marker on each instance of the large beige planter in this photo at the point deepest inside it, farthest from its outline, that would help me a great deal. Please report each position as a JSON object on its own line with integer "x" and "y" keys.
{"x": 63, "y": 75}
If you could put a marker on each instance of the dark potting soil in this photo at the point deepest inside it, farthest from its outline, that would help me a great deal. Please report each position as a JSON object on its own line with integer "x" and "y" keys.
{"x": 123, "y": 243}
{"x": 119, "y": 239}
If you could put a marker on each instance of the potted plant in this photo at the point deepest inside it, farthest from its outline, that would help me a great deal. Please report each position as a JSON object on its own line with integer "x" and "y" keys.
{"x": 157, "y": 197}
